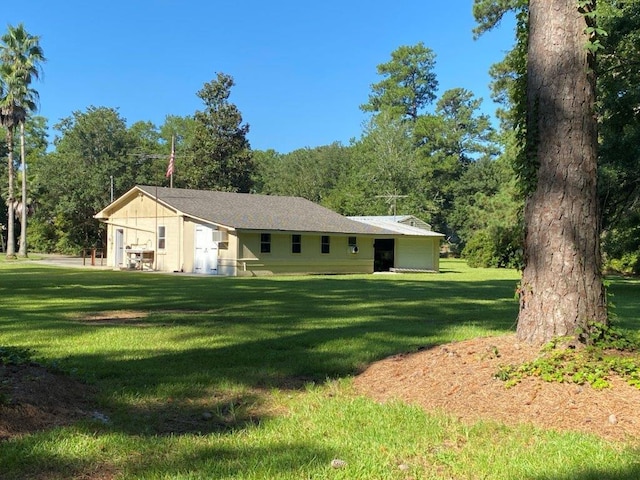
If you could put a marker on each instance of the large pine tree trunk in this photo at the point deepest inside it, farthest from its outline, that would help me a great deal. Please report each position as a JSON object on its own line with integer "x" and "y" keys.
{"x": 561, "y": 284}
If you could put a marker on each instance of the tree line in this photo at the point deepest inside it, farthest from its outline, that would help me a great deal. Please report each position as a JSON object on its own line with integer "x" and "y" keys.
{"x": 417, "y": 155}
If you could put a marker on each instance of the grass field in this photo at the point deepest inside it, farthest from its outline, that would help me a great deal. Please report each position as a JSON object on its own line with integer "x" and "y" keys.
{"x": 249, "y": 378}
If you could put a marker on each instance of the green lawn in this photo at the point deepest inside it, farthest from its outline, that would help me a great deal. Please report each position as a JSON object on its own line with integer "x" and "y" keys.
{"x": 249, "y": 378}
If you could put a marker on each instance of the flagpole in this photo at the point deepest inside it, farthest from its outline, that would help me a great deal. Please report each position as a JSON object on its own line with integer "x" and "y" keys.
{"x": 173, "y": 158}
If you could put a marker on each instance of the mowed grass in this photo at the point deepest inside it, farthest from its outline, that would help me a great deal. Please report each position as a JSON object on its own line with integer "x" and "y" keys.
{"x": 249, "y": 378}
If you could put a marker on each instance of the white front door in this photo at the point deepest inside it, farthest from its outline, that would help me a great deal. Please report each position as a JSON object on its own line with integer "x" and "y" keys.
{"x": 206, "y": 254}
{"x": 119, "y": 248}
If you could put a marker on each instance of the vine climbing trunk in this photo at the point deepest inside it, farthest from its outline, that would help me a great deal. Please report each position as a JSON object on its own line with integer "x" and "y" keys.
{"x": 561, "y": 287}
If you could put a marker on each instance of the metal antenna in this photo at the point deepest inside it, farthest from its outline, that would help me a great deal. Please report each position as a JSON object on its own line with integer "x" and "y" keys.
{"x": 392, "y": 199}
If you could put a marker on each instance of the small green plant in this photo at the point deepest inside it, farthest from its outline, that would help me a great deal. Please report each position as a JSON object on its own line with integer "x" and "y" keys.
{"x": 600, "y": 357}
{"x": 606, "y": 336}
{"x": 14, "y": 355}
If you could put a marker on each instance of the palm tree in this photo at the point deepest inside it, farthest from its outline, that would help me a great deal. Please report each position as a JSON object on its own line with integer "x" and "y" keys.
{"x": 7, "y": 120}
{"x": 20, "y": 60}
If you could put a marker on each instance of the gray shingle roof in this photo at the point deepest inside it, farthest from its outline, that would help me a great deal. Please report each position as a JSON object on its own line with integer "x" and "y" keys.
{"x": 244, "y": 211}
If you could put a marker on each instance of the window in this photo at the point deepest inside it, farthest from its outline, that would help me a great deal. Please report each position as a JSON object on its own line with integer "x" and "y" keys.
{"x": 353, "y": 245}
{"x": 265, "y": 243}
{"x": 325, "y": 246}
{"x": 162, "y": 237}
{"x": 296, "y": 243}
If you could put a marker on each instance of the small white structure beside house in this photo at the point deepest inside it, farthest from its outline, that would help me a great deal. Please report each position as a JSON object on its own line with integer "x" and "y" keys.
{"x": 224, "y": 233}
{"x": 414, "y": 247}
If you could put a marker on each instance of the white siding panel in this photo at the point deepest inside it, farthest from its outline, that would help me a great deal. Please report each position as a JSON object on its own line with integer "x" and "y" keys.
{"x": 414, "y": 253}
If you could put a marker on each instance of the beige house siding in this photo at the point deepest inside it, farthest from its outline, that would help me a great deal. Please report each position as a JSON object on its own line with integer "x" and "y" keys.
{"x": 188, "y": 247}
{"x": 228, "y": 254}
{"x": 139, "y": 220}
{"x": 252, "y": 262}
{"x": 417, "y": 253}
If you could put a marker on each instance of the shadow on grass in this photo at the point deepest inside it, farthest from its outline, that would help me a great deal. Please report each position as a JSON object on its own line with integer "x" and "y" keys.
{"x": 219, "y": 462}
{"x": 192, "y": 416}
{"x": 604, "y": 473}
{"x": 203, "y": 337}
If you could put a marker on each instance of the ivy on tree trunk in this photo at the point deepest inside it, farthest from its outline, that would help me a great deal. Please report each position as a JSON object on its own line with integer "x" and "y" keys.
{"x": 561, "y": 287}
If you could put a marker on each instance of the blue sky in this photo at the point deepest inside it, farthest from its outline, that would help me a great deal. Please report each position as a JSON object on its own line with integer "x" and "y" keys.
{"x": 302, "y": 69}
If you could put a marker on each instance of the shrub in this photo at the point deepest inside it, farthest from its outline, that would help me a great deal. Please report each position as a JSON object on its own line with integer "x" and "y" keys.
{"x": 495, "y": 246}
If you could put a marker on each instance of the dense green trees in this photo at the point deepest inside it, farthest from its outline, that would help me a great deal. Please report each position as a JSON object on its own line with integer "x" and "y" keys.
{"x": 451, "y": 139}
{"x": 486, "y": 214}
{"x": 409, "y": 83}
{"x": 311, "y": 173}
{"x": 219, "y": 157}
{"x": 619, "y": 97}
{"x": 74, "y": 181}
{"x": 385, "y": 174}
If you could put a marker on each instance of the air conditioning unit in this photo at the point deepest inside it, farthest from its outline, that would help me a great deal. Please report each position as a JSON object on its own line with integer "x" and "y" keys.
{"x": 220, "y": 236}
{"x": 353, "y": 249}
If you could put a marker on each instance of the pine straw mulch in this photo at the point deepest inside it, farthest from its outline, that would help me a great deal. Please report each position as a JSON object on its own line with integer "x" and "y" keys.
{"x": 35, "y": 399}
{"x": 458, "y": 379}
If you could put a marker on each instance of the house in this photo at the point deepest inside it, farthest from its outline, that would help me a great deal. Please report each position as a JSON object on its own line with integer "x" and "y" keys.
{"x": 225, "y": 233}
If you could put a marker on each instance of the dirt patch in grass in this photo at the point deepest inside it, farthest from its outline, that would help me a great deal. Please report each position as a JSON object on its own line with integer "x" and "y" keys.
{"x": 135, "y": 318}
{"x": 116, "y": 317}
{"x": 459, "y": 379}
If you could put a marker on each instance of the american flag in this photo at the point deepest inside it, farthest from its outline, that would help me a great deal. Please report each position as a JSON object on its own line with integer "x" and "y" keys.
{"x": 172, "y": 160}
{"x": 171, "y": 166}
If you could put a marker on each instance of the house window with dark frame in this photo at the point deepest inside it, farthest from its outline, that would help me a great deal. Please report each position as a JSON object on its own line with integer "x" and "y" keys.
{"x": 162, "y": 237}
{"x": 353, "y": 241}
{"x": 325, "y": 246}
{"x": 265, "y": 243}
{"x": 296, "y": 243}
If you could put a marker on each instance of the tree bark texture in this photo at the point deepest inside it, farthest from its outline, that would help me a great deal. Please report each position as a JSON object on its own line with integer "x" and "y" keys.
{"x": 561, "y": 287}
